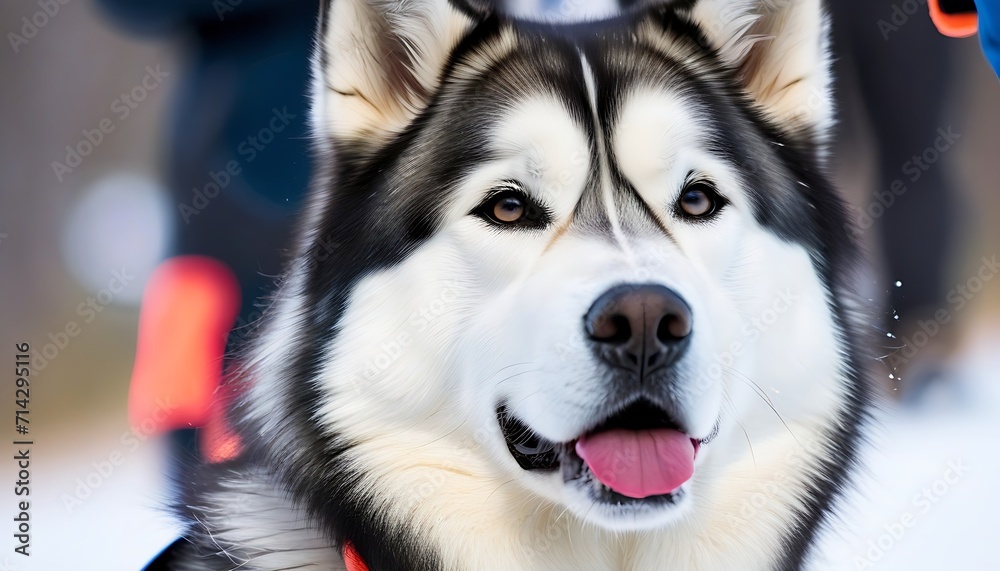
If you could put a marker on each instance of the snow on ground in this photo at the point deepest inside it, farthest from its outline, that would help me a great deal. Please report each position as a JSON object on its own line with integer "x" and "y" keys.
{"x": 931, "y": 498}
{"x": 118, "y": 522}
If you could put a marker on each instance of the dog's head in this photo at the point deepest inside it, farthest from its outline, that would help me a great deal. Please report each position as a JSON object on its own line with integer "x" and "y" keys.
{"x": 591, "y": 250}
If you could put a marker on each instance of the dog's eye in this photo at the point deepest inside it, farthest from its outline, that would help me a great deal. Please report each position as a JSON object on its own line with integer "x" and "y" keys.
{"x": 509, "y": 209}
{"x": 699, "y": 200}
{"x": 510, "y": 206}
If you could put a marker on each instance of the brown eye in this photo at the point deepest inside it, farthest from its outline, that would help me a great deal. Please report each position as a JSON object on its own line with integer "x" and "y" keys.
{"x": 509, "y": 209}
{"x": 699, "y": 200}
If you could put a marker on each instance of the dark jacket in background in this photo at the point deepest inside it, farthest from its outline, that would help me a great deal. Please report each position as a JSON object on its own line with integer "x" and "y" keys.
{"x": 241, "y": 95}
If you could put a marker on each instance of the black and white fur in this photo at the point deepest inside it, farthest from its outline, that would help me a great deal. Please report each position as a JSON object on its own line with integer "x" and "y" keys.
{"x": 368, "y": 402}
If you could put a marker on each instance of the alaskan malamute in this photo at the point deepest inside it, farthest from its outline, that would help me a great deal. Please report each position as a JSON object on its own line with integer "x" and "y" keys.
{"x": 568, "y": 297}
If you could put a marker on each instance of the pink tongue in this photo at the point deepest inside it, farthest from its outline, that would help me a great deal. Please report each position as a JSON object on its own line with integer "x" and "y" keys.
{"x": 639, "y": 463}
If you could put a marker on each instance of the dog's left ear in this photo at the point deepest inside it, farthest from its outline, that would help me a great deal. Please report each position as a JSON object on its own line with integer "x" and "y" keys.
{"x": 780, "y": 49}
{"x": 380, "y": 62}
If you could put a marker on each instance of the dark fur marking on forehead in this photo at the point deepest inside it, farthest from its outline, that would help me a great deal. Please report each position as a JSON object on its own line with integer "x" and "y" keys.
{"x": 591, "y": 215}
{"x": 776, "y": 168}
{"x": 627, "y": 195}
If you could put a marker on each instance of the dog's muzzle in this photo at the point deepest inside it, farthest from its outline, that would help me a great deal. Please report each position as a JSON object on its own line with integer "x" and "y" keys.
{"x": 638, "y": 448}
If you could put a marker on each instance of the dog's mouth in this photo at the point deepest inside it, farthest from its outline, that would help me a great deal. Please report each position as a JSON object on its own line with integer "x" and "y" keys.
{"x": 638, "y": 454}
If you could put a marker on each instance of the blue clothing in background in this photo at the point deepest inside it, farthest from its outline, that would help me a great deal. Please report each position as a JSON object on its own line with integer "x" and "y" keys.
{"x": 989, "y": 30}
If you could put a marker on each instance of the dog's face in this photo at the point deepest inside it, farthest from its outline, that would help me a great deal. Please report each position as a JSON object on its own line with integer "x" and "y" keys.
{"x": 584, "y": 249}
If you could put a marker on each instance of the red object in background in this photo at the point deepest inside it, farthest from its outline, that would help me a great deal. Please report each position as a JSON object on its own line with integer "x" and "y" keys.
{"x": 188, "y": 308}
{"x": 954, "y": 24}
{"x": 352, "y": 560}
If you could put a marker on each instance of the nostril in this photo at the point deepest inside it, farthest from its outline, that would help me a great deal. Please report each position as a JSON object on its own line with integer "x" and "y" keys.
{"x": 611, "y": 329}
{"x": 623, "y": 330}
{"x": 672, "y": 328}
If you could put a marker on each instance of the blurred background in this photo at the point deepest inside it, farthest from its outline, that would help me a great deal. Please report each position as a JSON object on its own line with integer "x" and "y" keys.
{"x": 119, "y": 116}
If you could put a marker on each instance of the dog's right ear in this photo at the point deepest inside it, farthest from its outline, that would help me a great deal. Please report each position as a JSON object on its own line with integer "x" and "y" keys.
{"x": 780, "y": 51}
{"x": 380, "y": 62}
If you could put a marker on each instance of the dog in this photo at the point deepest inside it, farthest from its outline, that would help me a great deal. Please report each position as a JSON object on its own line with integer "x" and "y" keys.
{"x": 566, "y": 296}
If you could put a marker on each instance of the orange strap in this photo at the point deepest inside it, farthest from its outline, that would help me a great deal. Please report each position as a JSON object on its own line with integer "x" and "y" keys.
{"x": 188, "y": 307}
{"x": 953, "y": 25}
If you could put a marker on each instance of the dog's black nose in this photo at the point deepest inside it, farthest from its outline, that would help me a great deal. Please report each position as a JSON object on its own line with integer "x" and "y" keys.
{"x": 640, "y": 327}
